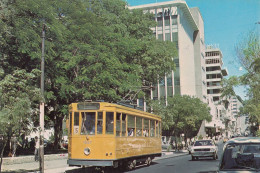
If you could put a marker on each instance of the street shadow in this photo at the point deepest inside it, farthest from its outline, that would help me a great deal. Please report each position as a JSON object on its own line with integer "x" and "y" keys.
{"x": 207, "y": 172}
{"x": 107, "y": 169}
{"x": 204, "y": 159}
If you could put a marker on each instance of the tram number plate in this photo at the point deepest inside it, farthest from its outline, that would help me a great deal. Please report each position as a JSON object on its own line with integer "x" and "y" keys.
{"x": 76, "y": 130}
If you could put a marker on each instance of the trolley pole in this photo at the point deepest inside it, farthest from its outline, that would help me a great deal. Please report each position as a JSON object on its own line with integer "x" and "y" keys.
{"x": 41, "y": 150}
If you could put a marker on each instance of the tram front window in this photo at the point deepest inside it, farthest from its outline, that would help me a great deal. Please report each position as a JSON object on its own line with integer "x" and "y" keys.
{"x": 88, "y": 123}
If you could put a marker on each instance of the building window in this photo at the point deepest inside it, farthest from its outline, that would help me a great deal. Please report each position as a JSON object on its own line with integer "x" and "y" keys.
{"x": 214, "y": 53}
{"x": 174, "y": 19}
{"x": 176, "y": 61}
{"x": 175, "y": 39}
{"x": 159, "y": 22}
{"x": 167, "y": 37}
{"x": 166, "y": 21}
{"x": 160, "y": 37}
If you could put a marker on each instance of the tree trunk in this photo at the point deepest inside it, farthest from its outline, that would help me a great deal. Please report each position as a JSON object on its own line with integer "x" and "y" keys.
{"x": 57, "y": 131}
{"x": 185, "y": 139}
{"x": 2, "y": 154}
{"x": 176, "y": 143}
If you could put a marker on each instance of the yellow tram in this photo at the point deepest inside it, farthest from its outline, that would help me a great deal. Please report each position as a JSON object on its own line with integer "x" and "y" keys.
{"x": 105, "y": 134}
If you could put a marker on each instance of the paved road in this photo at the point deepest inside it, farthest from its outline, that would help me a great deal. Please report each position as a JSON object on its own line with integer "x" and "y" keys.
{"x": 171, "y": 162}
{"x": 58, "y": 164}
{"x": 183, "y": 164}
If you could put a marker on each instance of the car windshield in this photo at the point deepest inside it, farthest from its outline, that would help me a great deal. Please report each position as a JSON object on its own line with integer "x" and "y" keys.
{"x": 203, "y": 143}
{"x": 241, "y": 156}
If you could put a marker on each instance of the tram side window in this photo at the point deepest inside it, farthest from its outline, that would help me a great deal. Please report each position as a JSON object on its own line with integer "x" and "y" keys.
{"x": 109, "y": 122}
{"x": 152, "y": 128}
{"x": 118, "y": 124}
{"x": 88, "y": 123}
{"x": 100, "y": 123}
{"x": 76, "y": 123}
{"x": 138, "y": 126}
{"x": 123, "y": 124}
{"x": 130, "y": 125}
{"x": 146, "y": 128}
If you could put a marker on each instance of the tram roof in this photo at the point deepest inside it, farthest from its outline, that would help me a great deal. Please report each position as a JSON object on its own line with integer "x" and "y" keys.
{"x": 123, "y": 106}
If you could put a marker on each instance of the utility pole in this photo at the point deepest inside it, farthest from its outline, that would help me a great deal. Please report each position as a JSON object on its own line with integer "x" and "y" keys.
{"x": 41, "y": 150}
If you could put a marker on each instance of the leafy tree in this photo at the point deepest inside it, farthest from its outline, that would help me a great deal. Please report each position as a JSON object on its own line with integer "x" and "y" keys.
{"x": 19, "y": 98}
{"x": 94, "y": 50}
{"x": 183, "y": 114}
{"x": 228, "y": 85}
{"x": 248, "y": 52}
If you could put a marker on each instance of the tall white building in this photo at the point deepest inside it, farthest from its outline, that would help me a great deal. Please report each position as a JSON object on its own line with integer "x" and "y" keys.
{"x": 240, "y": 121}
{"x": 185, "y": 27}
{"x": 214, "y": 72}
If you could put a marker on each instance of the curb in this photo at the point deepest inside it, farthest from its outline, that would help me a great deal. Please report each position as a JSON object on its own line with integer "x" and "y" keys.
{"x": 29, "y": 159}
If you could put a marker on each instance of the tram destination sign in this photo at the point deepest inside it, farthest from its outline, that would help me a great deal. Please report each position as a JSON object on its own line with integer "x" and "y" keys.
{"x": 88, "y": 106}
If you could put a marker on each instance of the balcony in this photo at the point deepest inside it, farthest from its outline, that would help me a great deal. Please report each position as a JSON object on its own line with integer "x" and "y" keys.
{"x": 214, "y": 80}
{"x": 214, "y": 72}
{"x": 214, "y": 87}
{"x": 224, "y": 72}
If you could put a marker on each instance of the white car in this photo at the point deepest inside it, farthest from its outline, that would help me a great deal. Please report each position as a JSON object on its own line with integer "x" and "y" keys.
{"x": 204, "y": 148}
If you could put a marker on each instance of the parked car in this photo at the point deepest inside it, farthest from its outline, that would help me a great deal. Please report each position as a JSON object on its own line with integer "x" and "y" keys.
{"x": 241, "y": 155}
{"x": 204, "y": 148}
{"x": 165, "y": 145}
{"x": 65, "y": 142}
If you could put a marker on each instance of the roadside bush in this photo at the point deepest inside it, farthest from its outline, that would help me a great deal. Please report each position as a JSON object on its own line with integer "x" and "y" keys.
{"x": 200, "y": 137}
{"x": 169, "y": 148}
{"x": 258, "y": 133}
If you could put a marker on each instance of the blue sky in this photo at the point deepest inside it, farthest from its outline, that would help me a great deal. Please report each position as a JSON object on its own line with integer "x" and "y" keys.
{"x": 226, "y": 22}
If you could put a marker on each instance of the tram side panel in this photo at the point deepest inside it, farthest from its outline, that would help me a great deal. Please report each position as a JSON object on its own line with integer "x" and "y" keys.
{"x": 100, "y": 148}
{"x": 137, "y": 146}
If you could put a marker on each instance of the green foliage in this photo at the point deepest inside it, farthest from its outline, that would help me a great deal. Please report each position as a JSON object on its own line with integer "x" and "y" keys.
{"x": 169, "y": 148}
{"x": 200, "y": 137}
{"x": 18, "y": 101}
{"x": 183, "y": 114}
{"x": 228, "y": 87}
{"x": 94, "y": 50}
{"x": 258, "y": 133}
{"x": 248, "y": 52}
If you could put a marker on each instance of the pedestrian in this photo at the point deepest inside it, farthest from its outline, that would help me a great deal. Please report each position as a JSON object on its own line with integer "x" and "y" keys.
{"x": 32, "y": 144}
{"x": 26, "y": 143}
{"x": 14, "y": 144}
{"x": 36, "y": 151}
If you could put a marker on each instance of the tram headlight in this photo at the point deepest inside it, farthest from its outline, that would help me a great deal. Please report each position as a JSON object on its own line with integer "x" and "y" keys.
{"x": 86, "y": 151}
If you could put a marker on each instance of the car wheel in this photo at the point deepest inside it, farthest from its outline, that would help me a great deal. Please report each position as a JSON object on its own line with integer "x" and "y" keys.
{"x": 215, "y": 156}
{"x": 193, "y": 158}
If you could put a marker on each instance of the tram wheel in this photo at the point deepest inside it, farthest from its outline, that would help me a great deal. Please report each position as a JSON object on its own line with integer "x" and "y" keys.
{"x": 131, "y": 164}
{"x": 148, "y": 161}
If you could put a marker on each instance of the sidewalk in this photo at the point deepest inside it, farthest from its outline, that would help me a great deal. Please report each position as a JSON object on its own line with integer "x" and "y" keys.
{"x": 57, "y": 163}
{"x": 27, "y": 164}
{"x": 28, "y": 159}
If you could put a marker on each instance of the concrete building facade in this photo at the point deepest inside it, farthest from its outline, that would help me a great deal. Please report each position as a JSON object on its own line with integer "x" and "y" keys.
{"x": 177, "y": 23}
{"x": 214, "y": 72}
